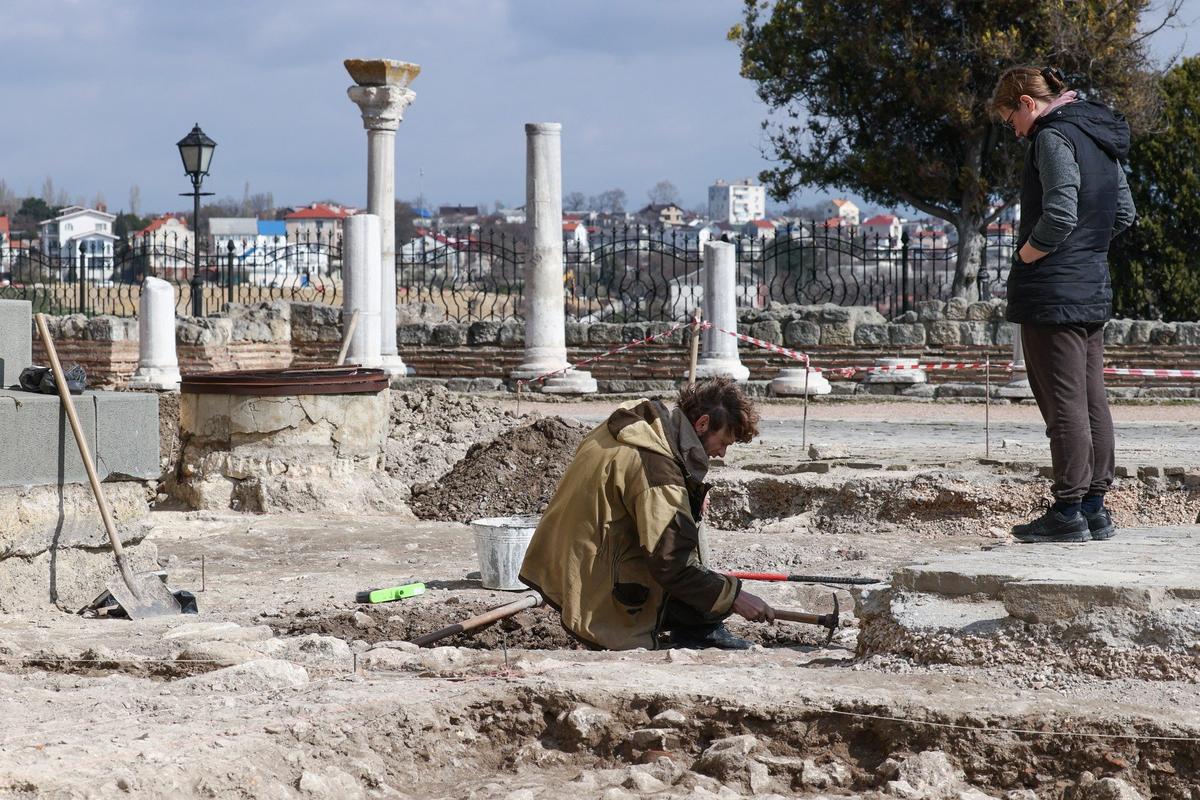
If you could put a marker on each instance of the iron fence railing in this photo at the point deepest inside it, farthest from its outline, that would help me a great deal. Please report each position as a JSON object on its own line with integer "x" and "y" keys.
{"x": 627, "y": 273}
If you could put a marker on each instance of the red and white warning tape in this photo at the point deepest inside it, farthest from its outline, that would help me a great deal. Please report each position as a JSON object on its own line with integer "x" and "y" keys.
{"x": 1154, "y": 373}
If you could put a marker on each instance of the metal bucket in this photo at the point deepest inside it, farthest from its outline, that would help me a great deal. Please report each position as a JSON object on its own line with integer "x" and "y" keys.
{"x": 500, "y": 544}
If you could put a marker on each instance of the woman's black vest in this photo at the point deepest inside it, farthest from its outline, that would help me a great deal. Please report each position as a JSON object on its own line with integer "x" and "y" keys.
{"x": 1071, "y": 285}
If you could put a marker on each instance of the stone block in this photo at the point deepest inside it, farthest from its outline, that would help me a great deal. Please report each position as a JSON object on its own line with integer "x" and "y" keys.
{"x": 949, "y": 390}
{"x": 45, "y": 451}
{"x": 956, "y": 308}
{"x": 769, "y": 331}
{"x": 866, "y": 315}
{"x": 316, "y": 322}
{"x": 605, "y": 333}
{"x": 1004, "y": 333}
{"x": 112, "y": 329}
{"x": 1047, "y": 601}
{"x": 1168, "y": 392}
{"x": 127, "y": 433}
{"x": 907, "y": 318}
{"x": 487, "y": 385}
{"x": 203, "y": 330}
{"x": 1116, "y": 331}
{"x": 1122, "y": 392}
{"x": 881, "y": 388}
{"x": 977, "y": 332}
{"x": 414, "y": 333}
{"x": 873, "y": 335}
{"x": 928, "y": 390}
{"x": 679, "y": 337}
{"x": 484, "y": 332}
{"x": 801, "y": 333}
{"x": 907, "y": 334}
{"x": 1141, "y": 330}
{"x": 832, "y": 314}
{"x": 512, "y": 333}
{"x": 260, "y": 322}
{"x": 979, "y": 311}
{"x": 843, "y": 388}
{"x": 1164, "y": 334}
{"x": 1185, "y": 333}
{"x": 931, "y": 310}
{"x": 448, "y": 334}
{"x": 839, "y": 334}
{"x": 16, "y": 339}
{"x": 632, "y": 331}
{"x": 576, "y": 333}
{"x": 944, "y": 332}
{"x": 71, "y": 326}
{"x": 458, "y": 384}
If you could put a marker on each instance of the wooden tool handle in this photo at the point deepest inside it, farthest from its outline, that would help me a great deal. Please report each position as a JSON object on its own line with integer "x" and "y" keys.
{"x": 801, "y": 616}
{"x": 346, "y": 337}
{"x": 486, "y": 618}
{"x": 85, "y": 453}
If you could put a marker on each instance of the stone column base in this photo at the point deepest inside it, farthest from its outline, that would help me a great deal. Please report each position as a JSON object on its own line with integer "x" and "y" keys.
{"x": 903, "y": 376}
{"x": 1017, "y": 388}
{"x": 570, "y": 382}
{"x": 790, "y": 382}
{"x": 394, "y": 366}
{"x": 716, "y": 367}
{"x": 160, "y": 378}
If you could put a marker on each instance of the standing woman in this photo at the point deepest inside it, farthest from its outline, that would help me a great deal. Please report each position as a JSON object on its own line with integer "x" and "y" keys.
{"x": 1074, "y": 200}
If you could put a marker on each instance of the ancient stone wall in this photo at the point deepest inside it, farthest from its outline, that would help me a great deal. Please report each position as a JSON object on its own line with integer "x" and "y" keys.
{"x": 283, "y": 334}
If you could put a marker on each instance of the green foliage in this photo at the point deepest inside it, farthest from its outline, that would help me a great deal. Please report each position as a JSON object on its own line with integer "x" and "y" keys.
{"x": 1156, "y": 265}
{"x": 888, "y": 99}
{"x": 36, "y": 209}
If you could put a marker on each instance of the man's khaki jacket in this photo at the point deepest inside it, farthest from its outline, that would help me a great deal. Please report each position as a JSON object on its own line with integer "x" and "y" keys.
{"x": 621, "y": 534}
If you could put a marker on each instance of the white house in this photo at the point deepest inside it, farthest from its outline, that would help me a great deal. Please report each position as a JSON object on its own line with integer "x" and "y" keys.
{"x": 262, "y": 254}
{"x": 884, "y": 227}
{"x": 759, "y": 229}
{"x": 317, "y": 222}
{"x": 844, "y": 209}
{"x": 737, "y": 203}
{"x": 84, "y": 236}
{"x": 575, "y": 235}
{"x": 512, "y": 216}
{"x": 168, "y": 246}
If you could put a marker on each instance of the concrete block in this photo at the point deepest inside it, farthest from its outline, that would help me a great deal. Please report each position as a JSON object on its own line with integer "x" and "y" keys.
{"x": 44, "y": 452}
{"x": 127, "y": 434}
{"x": 16, "y": 339}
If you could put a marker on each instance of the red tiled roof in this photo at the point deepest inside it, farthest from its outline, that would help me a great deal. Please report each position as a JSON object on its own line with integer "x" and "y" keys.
{"x": 881, "y": 219}
{"x": 4, "y": 226}
{"x": 320, "y": 211}
{"x": 762, "y": 223}
{"x": 158, "y": 223}
{"x": 570, "y": 226}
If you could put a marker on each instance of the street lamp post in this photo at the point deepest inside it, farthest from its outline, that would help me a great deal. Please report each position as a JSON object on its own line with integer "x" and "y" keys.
{"x": 196, "y": 150}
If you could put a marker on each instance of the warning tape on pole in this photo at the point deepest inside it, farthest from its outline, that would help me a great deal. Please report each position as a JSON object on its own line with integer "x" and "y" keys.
{"x": 613, "y": 352}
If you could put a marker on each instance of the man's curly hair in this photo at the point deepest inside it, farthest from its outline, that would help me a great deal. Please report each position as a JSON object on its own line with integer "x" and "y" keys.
{"x": 724, "y": 403}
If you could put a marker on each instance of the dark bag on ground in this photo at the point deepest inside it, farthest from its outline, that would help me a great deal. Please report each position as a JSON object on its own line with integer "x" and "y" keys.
{"x": 41, "y": 380}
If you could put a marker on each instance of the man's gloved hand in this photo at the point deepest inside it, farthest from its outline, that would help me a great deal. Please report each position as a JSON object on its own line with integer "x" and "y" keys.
{"x": 753, "y": 607}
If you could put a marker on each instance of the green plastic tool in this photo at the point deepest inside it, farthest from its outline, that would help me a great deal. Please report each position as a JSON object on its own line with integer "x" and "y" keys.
{"x": 390, "y": 594}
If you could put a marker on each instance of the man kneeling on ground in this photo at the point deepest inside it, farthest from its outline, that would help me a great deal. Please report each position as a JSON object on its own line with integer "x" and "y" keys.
{"x": 618, "y": 551}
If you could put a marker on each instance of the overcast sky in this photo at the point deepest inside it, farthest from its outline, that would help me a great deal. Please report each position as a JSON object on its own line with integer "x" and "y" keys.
{"x": 97, "y": 93}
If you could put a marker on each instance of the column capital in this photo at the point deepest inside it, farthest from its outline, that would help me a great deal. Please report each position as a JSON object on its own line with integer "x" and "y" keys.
{"x": 382, "y": 107}
{"x": 544, "y": 128}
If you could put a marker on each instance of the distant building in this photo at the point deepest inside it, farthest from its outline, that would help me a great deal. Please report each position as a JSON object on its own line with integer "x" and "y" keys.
{"x": 884, "y": 226}
{"x": 513, "y": 216}
{"x": 759, "y": 229}
{"x": 5, "y": 245}
{"x": 661, "y": 214}
{"x": 737, "y": 203}
{"x": 83, "y": 238}
{"x": 844, "y": 209}
{"x": 318, "y": 221}
{"x": 167, "y": 246}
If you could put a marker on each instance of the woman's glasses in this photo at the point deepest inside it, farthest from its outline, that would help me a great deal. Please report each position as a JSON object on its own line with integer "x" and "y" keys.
{"x": 1008, "y": 123}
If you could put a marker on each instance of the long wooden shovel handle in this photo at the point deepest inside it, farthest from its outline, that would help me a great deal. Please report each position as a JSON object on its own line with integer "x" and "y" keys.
{"x": 486, "y": 618}
{"x": 86, "y": 454}
{"x": 346, "y": 337}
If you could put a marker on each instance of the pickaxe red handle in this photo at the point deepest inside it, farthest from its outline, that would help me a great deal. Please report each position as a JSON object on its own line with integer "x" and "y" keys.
{"x": 779, "y": 576}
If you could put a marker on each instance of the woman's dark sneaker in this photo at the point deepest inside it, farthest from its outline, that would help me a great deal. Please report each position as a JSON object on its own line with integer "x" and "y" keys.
{"x": 1053, "y": 527}
{"x": 1100, "y": 524}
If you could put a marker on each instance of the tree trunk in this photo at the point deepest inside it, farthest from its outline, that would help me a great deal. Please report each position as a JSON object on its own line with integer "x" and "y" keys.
{"x": 970, "y": 256}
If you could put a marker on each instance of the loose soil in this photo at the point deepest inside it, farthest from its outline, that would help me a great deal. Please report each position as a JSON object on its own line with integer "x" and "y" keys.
{"x": 515, "y": 473}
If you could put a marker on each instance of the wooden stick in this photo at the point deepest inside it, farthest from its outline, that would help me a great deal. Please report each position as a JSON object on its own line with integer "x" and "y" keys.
{"x": 346, "y": 337}
{"x": 86, "y": 454}
{"x": 804, "y": 424}
{"x": 695, "y": 348}
{"x": 480, "y": 620}
{"x": 987, "y": 405}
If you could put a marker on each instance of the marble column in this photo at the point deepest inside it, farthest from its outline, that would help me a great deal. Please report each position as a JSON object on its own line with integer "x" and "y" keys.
{"x": 899, "y": 377}
{"x": 361, "y": 276}
{"x": 382, "y": 95}
{"x": 545, "y": 317}
{"x": 1018, "y": 387}
{"x": 158, "y": 365}
{"x": 719, "y": 351}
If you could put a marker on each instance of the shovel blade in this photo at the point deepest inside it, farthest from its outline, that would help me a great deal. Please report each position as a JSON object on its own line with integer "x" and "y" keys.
{"x": 152, "y": 598}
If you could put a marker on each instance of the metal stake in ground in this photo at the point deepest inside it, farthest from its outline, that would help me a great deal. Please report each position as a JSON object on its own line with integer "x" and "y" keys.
{"x": 804, "y": 424}
{"x": 987, "y": 405}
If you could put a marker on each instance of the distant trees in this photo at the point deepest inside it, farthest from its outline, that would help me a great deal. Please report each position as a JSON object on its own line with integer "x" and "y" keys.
{"x": 575, "y": 201}
{"x": 664, "y": 193}
{"x": 611, "y": 201}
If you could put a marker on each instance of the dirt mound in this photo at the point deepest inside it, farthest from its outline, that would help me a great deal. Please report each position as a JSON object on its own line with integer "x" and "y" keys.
{"x": 515, "y": 473}
{"x": 432, "y": 428}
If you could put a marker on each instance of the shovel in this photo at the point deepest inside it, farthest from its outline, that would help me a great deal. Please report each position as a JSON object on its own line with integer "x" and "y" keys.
{"x": 143, "y": 595}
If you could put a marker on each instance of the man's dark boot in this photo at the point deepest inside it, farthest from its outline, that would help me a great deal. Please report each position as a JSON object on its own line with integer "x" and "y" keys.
{"x": 701, "y": 636}
{"x": 1053, "y": 527}
{"x": 1100, "y": 524}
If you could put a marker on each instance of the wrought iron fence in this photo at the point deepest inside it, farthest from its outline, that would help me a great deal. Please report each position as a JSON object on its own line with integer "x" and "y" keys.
{"x": 89, "y": 278}
{"x": 627, "y": 273}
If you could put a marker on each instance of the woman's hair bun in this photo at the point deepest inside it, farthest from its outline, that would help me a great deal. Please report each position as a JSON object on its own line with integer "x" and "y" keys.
{"x": 1054, "y": 78}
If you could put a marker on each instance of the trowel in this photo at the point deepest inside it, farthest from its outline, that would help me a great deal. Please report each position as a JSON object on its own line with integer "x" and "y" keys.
{"x": 142, "y": 595}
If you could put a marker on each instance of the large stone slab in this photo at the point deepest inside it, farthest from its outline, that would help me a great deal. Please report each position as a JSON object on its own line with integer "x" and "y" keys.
{"x": 38, "y": 448}
{"x": 1126, "y": 607}
{"x": 16, "y": 339}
